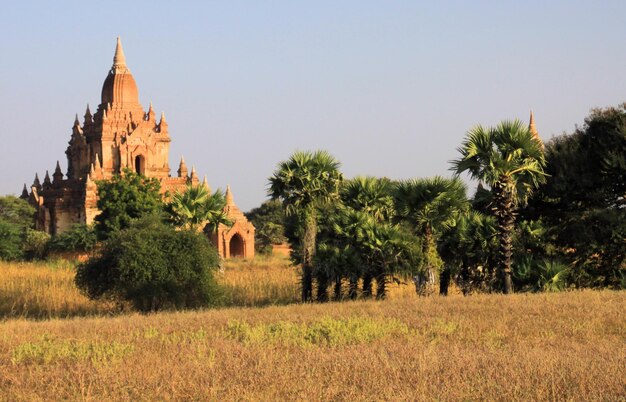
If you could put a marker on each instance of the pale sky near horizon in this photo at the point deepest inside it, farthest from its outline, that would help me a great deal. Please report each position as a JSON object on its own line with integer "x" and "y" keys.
{"x": 388, "y": 87}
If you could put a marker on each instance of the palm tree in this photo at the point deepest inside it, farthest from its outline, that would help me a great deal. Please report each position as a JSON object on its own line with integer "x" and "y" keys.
{"x": 510, "y": 160}
{"x": 304, "y": 182}
{"x": 195, "y": 207}
{"x": 431, "y": 206}
{"x": 371, "y": 195}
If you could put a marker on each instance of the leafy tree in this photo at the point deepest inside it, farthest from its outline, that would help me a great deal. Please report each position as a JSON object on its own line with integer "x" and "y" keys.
{"x": 304, "y": 182}
{"x": 123, "y": 198}
{"x": 197, "y": 207}
{"x": 431, "y": 206}
{"x": 153, "y": 266}
{"x": 269, "y": 221}
{"x": 16, "y": 211}
{"x": 16, "y": 217}
{"x": 511, "y": 162}
{"x": 583, "y": 201}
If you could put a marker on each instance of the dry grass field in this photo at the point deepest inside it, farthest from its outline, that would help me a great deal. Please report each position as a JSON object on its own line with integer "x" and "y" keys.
{"x": 566, "y": 346}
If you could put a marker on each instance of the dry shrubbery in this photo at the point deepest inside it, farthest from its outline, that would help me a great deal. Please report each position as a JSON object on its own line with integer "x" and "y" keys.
{"x": 565, "y": 346}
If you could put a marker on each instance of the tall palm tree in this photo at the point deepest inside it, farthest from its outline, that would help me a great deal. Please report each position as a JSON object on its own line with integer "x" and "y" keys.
{"x": 196, "y": 207}
{"x": 510, "y": 160}
{"x": 303, "y": 182}
{"x": 431, "y": 206}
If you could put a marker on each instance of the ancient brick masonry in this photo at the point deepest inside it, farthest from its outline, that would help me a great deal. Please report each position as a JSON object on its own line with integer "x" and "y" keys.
{"x": 119, "y": 135}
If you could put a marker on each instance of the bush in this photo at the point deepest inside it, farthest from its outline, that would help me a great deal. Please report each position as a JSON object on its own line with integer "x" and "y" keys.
{"x": 79, "y": 237}
{"x": 154, "y": 267}
{"x": 11, "y": 238}
{"x": 35, "y": 244}
{"x": 16, "y": 216}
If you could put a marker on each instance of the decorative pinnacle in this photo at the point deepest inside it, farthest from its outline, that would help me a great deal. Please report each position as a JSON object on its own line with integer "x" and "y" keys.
{"x": 119, "y": 60}
{"x": 205, "y": 183}
{"x": 162, "y": 121}
{"x": 229, "y": 196}
{"x": 193, "y": 175}
{"x": 533, "y": 129}
{"x": 46, "y": 180}
{"x": 182, "y": 168}
{"x": 88, "y": 115}
{"x": 36, "y": 182}
{"x": 76, "y": 122}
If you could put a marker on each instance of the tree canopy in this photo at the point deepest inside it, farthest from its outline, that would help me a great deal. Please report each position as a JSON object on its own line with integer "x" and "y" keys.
{"x": 124, "y": 198}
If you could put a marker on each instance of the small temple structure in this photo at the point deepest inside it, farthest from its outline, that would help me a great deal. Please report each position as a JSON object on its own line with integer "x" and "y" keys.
{"x": 238, "y": 239}
{"x": 120, "y": 135}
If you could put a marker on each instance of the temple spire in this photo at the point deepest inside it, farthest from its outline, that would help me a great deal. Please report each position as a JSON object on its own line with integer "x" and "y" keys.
{"x": 229, "y": 196}
{"x": 533, "y": 129}
{"x": 205, "y": 184}
{"x": 57, "y": 176}
{"x": 46, "y": 179}
{"x": 193, "y": 176}
{"x": 24, "y": 195}
{"x": 88, "y": 115}
{"x": 36, "y": 182}
{"x": 150, "y": 114}
{"x": 76, "y": 121}
{"x": 119, "y": 60}
{"x": 182, "y": 168}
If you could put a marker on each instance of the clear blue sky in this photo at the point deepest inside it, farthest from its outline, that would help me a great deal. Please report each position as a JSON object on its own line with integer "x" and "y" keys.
{"x": 388, "y": 87}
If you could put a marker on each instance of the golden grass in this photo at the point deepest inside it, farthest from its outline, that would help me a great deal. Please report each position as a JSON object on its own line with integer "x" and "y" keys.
{"x": 38, "y": 290}
{"x": 567, "y": 346}
{"x": 259, "y": 282}
{"x": 46, "y": 290}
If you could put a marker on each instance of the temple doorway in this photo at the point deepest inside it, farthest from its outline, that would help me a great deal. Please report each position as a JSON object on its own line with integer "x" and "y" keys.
{"x": 140, "y": 164}
{"x": 236, "y": 246}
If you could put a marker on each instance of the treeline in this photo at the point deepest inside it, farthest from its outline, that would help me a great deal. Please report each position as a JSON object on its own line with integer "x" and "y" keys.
{"x": 543, "y": 217}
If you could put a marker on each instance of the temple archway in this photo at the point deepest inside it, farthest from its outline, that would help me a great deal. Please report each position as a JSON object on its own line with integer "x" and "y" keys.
{"x": 236, "y": 246}
{"x": 140, "y": 165}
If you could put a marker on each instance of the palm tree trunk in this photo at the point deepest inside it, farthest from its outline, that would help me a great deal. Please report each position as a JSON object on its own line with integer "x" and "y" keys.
{"x": 505, "y": 215}
{"x": 381, "y": 285}
{"x": 367, "y": 285}
{"x": 429, "y": 248}
{"x": 353, "y": 287}
{"x": 322, "y": 286}
{"x": 444, "y": 281}
{"x": 337, "y": 290}
{"x": 308, "y": 251}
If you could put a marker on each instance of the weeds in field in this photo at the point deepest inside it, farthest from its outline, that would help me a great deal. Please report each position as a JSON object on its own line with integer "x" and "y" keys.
{"x": 325, "y": 331}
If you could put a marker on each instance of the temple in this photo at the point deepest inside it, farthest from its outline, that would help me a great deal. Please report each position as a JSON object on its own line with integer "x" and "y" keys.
{"x": 119, "y": 135}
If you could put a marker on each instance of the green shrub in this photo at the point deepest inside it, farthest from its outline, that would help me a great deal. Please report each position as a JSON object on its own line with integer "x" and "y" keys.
{"x": 154, "y": 267}
{"x": 16, "y": 216}
{"x": 35, "y": 244}
{"x": 79, "y": 237}
{"x": 11, "y": 238}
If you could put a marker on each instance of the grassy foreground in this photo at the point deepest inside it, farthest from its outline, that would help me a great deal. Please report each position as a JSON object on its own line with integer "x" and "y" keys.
{"x": 567, "y": 346}
{"x": 537, "y": 347}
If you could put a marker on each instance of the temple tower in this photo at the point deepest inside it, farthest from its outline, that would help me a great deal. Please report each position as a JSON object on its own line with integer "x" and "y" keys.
{"x": 119, "y": 135}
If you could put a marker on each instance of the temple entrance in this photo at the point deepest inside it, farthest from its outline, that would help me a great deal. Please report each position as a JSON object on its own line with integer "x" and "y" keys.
{"x": 140, "y": 165}
{"x": 236, "y": 246}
